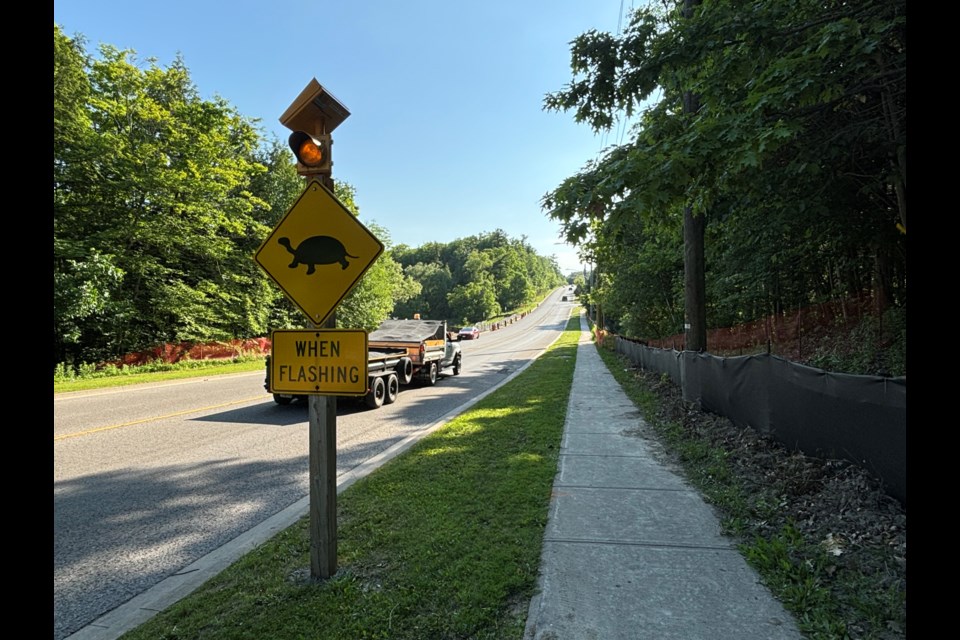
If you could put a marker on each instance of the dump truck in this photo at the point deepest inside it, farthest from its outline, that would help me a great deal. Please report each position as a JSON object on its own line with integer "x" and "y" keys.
{"x": 399, "y": 353}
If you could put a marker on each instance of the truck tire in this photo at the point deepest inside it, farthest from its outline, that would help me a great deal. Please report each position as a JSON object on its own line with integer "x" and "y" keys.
{"x": 456, "y": 365}
{"x": 376, "y": 394}
{"x": 431, "y": 378}
{"x": 393, "y": 388}
{"x": 405, "y": 370}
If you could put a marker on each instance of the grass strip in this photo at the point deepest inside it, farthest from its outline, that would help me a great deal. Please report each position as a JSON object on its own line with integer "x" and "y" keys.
{"x": 441, "y": 542}
{"x": 116, "y": 377}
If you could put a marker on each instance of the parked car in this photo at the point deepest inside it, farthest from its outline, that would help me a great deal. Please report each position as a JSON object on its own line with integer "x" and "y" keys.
{"x": 469, "y": 333}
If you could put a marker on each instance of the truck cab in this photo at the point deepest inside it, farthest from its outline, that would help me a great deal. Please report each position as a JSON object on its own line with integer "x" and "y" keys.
{"x": 451, "y": 356}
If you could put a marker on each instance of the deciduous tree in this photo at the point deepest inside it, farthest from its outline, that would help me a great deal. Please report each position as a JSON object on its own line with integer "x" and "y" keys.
{"x": 794, "y": 154}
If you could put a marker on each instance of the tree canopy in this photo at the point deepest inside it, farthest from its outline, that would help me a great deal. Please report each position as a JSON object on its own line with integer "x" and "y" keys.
{"x": 795, "y": 157}
{"x": 162, "y": 198}
{"x": 475, "y": 278}
{"x": 151, "y": 201}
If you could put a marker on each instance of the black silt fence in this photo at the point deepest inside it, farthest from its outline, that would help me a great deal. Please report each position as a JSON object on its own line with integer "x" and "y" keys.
{"x": 862, "y": 419}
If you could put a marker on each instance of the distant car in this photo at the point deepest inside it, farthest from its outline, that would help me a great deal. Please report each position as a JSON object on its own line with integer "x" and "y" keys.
{"x": 469, "y": 333}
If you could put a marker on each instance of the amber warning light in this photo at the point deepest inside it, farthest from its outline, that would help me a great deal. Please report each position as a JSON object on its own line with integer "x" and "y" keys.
{"x": 312, "y": 153}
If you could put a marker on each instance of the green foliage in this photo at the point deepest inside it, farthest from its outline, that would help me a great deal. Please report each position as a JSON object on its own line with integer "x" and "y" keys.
{"x": 151, "y": 197}
{"x": 90, "y": 376}
{"x": 795, "y": 155}
{"x": 63, "y": 372}
{"x": 874, "y": 347}
{"x": 474, "y": 300}
{"x": 435, "y": 281}
{"x": 649, "y": 268}
{"x": 792, "y": 569}
{"x": 84, "y": 289}
{"x": 475, "y": 278}
{"x": 376, "y": 295}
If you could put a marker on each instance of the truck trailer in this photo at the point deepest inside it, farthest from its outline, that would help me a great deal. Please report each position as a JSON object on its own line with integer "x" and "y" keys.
{"x": 399, "y": 353}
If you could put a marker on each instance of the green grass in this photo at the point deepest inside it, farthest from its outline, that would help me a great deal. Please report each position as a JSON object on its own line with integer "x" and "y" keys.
{"x": 116, "y": 377}
{"x": 441, "y": 542}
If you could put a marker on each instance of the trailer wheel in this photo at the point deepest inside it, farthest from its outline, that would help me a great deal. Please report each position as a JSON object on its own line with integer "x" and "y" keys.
{"x": 282, "y": 400}
{"x": 376, "y": 394}
{"x": 393, "y": 388}
{"x": 432, "y": 374}
{"x": 405, "y": 370}
{"x": 456, "y": 365}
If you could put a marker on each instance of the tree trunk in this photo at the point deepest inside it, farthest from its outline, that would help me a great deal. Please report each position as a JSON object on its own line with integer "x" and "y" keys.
{"x": 694, "y": 281}
{"x": 882, "y": 279}
{"x": 694, "y": 278}
{"x": 898, "y": 158}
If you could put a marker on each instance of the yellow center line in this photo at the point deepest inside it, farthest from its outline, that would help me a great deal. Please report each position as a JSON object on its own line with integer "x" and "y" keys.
{"x": 169, "y": 415}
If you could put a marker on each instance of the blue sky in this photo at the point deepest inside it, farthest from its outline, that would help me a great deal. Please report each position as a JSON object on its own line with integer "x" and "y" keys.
{"x": 447, "y": 135}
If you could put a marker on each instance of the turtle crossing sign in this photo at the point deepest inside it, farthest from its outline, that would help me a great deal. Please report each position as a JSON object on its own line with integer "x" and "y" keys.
{"x": 317, "y": 252}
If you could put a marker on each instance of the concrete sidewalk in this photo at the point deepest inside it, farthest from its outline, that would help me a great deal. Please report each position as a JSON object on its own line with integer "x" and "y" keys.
{"x": 631, "y": 551}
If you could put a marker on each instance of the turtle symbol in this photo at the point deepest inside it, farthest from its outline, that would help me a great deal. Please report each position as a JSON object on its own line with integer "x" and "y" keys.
{"x": 317, "y": 250}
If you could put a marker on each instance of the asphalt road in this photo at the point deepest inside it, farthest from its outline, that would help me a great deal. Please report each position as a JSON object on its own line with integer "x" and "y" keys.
{"x": 150, "y": 479}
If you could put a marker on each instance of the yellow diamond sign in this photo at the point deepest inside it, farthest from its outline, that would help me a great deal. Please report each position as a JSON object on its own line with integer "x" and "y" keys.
{"x": 318, "y": 251}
